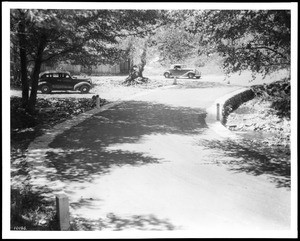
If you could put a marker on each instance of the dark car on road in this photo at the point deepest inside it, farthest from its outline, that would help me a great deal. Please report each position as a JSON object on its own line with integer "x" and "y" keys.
{"x": 180, "y": 70}
{"x": 53, "y": 80}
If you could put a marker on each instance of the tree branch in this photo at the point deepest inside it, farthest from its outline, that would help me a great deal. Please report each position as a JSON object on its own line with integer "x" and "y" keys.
{"x": 265, "y": 47}
{"x": 62, "y": 52}
{"x": 138, "y": 32}
{"x": 273, "y": 50}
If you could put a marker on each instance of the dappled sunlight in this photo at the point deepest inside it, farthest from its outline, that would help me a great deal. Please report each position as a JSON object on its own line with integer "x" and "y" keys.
{"x": 138, "y": 158}
{"x": 188, "y": 84}
{"x": 76, "y": 159}
{"x": 164, "y": 147}
{"x": 90, "y": 203}
{"x": 84, "y": 166}
{"x": 246, "y": 156}
{"x": 125, "y": 123}
{"x": 82, "y": 153}
{"x": 113, "y": 222}
{"x": 194, "y": 97}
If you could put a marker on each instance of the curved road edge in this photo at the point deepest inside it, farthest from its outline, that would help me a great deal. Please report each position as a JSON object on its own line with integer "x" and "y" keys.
{"x": 213, "y": 119}
{"x": 41, "y": 142}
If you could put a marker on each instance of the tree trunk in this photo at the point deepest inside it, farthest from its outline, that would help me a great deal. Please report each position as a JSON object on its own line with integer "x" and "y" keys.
{"x": 35, "y": 75}
{"x": 136, "y": 74}
{"x": 23, "y": 60}
{"x": 143, "y": 58}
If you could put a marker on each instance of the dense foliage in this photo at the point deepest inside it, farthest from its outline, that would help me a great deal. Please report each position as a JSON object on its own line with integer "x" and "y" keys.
{"x": 87, "y": 37}
{"x": 279, "y": 94}
{"x": 175, "y": 45}
{"x": 256, "y": 40}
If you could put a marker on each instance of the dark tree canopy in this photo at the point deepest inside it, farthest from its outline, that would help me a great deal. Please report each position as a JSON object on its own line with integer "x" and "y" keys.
{"x": 86, "y": 37}
{"x": 83, "y": 36}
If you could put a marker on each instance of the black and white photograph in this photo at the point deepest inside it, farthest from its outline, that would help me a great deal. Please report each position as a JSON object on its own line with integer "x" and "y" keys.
{"x": 149, "y": 120}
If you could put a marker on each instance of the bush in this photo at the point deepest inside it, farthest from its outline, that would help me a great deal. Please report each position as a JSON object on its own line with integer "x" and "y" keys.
{"x": 31, "y": 212}
{"x": 279, "y": 93}
{"x": 49, "y": 111}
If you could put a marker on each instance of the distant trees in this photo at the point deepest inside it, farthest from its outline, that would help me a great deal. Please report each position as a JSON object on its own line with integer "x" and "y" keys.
{"x": 174, "y": 43}
{"x": 138, "y": 47}
{"x": 85, "y": 37}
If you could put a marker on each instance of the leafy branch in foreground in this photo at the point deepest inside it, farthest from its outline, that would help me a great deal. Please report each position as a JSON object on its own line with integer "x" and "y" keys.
{"x": 256, "y": 40}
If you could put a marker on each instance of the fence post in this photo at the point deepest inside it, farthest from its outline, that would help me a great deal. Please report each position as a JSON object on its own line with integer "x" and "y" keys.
{"x": 97, "y": 102}
{"x": 218, "y": 111}
{"x": 175, "y": 81}
{"x": 62, "y": 211}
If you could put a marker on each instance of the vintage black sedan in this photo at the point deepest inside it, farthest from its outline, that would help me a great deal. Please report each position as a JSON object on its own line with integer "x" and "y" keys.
{"x": 53, "y": 80}
{"x": 181, "y": 71}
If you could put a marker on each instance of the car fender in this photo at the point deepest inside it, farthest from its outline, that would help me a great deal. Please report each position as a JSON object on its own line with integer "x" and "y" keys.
{"x": 78, "y": 85}
{"x": 42, "y": 83}
{"x": 186, "y": 73}
{"x": 192, "y": 71}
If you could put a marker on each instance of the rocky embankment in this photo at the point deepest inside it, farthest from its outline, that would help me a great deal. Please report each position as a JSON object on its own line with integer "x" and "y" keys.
{"x": 257, "y": 116}
{"x": 265, "y": 127}
{"x": 265, "y": 118}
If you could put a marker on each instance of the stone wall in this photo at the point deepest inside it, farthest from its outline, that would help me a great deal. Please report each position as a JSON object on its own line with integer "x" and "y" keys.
{"x": 234, "y": 102}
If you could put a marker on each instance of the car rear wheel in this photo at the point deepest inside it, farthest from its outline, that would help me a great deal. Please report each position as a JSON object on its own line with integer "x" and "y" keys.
{"x": 84, "y": 89}
{"x": 45, "y": 89}
{"x": 191, "y": 75}
{"x": 167, "y": 75}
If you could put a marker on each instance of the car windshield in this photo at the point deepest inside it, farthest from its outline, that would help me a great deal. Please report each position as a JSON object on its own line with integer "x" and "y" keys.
{"x": 53, "y": 73}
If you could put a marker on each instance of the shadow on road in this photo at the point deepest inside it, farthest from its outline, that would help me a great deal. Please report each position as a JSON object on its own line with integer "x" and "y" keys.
{"x": 117, "y": 223}
{"x": 81, "y": 152}
{"x": 66, "y": 92}
{"x": 251, "y": 158}
{"x": 188, "y": 84}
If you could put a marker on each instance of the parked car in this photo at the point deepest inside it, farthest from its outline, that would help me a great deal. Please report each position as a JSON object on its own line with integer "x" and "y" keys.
{"x": 180, "y": 70}
{"x": 53, "y": 80}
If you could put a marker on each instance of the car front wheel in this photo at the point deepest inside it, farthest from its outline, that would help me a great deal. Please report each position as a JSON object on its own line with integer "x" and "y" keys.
{"x": 167, "y": 75}
{"x": 190, "y": 75}
{"x": 45, "y": 89}
{"x": 84, "y": 89}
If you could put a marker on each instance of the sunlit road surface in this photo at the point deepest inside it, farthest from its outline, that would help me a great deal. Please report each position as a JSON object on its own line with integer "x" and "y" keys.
{"x": 152, "y": 163}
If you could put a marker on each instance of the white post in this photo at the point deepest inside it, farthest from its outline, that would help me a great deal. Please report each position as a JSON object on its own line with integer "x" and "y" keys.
{"x": 175, "y": 80}
{"x": 62, "y": 210}
{"x": 218, "y": 111}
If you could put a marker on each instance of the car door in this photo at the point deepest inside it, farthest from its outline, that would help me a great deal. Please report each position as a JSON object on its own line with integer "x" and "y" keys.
{"x": 67, "y": 81}
{"x": 176, "y": 71}
{"x": 58, "y": 82}
{"x": 52, "y": 78}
